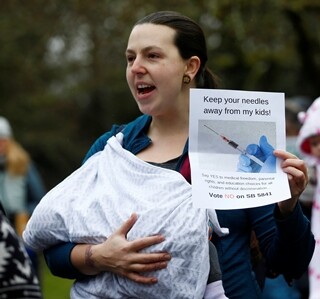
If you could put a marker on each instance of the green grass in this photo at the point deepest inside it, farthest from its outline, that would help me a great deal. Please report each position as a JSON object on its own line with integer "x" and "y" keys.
{"x": 53, "y": 287}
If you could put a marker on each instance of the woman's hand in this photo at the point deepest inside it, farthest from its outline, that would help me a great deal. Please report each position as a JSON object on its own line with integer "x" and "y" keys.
{"x": 298, "y": 179}
{"x": 120, "y": 256}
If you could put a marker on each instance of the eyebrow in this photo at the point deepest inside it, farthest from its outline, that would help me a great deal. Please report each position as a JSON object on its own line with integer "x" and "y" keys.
{"x": 146, "y": 49}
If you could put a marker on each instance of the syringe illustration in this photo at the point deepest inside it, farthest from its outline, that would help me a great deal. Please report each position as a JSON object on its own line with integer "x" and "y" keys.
{"x": 236, "y": 146}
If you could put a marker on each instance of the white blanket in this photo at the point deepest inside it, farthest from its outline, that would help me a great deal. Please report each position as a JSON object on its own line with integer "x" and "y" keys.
{"x": 97, "y": 198}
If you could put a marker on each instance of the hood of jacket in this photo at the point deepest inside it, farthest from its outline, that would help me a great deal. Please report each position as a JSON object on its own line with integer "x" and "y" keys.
{"x": 310, "y": 127}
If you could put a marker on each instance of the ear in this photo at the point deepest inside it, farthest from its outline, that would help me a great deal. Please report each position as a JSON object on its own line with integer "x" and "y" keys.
{"x": 192, "y": 66}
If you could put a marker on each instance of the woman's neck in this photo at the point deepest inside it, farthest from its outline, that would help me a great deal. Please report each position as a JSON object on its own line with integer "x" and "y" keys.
{"x": 168, "y": 140}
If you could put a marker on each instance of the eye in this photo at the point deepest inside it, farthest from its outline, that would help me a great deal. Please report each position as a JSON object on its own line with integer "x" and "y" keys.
{"x": 153, "y": 55}
{"x": 130, "y": 58}
{"x": 314, "y": 143}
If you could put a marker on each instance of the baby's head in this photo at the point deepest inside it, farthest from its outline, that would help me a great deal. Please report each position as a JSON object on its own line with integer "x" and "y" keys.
{"x": 314, "y": 144}
{"x": 309, "y": 134}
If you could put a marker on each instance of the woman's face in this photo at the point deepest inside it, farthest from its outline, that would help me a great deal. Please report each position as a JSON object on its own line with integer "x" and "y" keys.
{"x": 314, "y": 142}
{"x": 155, "y": 70}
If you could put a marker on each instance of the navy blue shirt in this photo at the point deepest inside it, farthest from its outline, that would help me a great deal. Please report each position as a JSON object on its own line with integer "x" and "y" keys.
{"x": 287, "y": 244}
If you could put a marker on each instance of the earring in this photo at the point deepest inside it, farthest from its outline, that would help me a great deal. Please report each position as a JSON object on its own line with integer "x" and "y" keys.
{"x": 186, "y": 79}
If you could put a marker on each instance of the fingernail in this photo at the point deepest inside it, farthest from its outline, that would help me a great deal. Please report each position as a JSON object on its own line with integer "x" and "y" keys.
{"x": 164, "y": 264}
{"x": 161, "y": 238}
{"x": 161, "y": 265}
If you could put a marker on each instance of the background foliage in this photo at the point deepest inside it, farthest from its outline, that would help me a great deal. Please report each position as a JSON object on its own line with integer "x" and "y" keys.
{"x": 62, "y": 63}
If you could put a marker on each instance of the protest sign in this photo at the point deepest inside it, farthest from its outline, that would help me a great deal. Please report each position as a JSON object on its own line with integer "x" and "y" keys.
{"x": 225, "y": 172}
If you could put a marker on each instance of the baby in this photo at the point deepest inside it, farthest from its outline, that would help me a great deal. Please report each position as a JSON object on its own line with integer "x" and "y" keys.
{"x": 96, "y": 199}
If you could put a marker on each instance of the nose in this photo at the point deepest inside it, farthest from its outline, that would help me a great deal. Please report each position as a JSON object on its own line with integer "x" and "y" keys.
{"x": 138, "y": 66}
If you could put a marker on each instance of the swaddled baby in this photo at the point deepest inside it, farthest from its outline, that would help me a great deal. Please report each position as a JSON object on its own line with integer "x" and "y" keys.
{"x": 96, "y": 199}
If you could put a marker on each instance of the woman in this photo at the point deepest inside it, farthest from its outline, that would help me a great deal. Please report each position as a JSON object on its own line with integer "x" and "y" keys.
{"x": 166, "y": 56}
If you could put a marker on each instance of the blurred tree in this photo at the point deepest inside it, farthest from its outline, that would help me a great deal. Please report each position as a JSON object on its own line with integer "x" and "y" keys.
{"x": 62, "y": 63}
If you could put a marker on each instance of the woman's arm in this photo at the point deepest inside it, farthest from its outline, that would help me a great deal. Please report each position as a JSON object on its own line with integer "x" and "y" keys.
{"x": 284, "y": 233}
{"x": 296, "y": 243}
{"x": 58, "y": 259}
{"x": 116, "y": 255}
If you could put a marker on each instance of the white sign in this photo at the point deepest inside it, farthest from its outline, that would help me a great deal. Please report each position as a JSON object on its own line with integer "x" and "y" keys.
{"x": 231, "y": 141}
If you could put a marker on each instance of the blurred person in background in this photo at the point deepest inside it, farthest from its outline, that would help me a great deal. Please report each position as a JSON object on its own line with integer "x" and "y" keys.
{"x": 309, "y": 145}
{"x": 21, "y": 186}
{"x": 17, "y": 276}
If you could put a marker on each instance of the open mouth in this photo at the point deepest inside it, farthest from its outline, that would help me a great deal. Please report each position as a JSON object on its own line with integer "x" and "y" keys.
{"x": 143, "y": 88}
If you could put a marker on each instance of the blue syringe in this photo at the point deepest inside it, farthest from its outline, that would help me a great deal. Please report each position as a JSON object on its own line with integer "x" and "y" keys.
{"x": 237, "y": 147}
